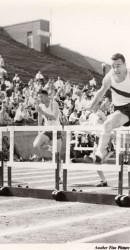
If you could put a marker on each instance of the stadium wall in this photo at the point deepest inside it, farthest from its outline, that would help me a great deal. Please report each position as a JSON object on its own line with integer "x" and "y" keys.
{"x": 77, "y": 58}
{"x": 38, "y": 31}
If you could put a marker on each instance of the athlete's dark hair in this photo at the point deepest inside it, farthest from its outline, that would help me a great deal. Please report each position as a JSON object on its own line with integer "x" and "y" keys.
{"x": 42, "y": 91}
{"x": 118, "y": 56}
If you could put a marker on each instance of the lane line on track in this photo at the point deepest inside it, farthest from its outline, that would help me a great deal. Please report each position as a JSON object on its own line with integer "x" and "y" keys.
{"x": 57, "y": 223}
{"x": 37, "y": 209}
{"x": 100, "y": 236}
{"x": 71, "y": 175}
{"x": 69, "y": 179}
{"x": 14, "y": 198}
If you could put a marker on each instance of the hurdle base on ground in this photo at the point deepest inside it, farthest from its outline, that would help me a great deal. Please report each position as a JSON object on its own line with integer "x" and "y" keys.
{"x": 89, "y": 197}
{"x": 26, "y": 192}
{"x": 70, "y": 196}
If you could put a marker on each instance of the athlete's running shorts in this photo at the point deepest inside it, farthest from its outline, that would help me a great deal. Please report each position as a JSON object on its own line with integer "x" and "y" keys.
{"x": 49, "y": 134}
{"x": 125, "y": 109}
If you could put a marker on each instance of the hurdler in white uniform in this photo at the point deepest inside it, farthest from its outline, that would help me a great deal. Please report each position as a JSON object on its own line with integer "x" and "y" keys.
{"x": 118, "y": 80}
{"x": 49, "y": 110}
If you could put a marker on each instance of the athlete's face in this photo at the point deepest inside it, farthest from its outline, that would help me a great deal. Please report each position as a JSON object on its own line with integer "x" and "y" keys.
{"x": 43, "y": 98}
{"x": 118, "y": 66}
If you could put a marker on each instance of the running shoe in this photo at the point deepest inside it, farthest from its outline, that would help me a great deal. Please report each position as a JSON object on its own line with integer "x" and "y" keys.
{"x": 102, "y": 184}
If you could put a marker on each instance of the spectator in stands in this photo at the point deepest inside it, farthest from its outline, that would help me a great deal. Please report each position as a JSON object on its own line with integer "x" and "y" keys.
{"x": 2, "y": 63}
{"x": 59, "y": 83}
{"x": 26, "y": 91}
{"x": 31, "y": 99}
{"x": 20, "y": 115}
{"x": 5, "y": 119}
{"x": 39, "y": 77}
{"x": 7, "y": 83}
{"x": 92, "y": 83}
{"x": 3, "y": 85}
{"x": 16, "y": 79}
{"x": 26, "y": 102}
{"x": 75, "y": 91}
{"x": 67, "y": 88}
{"x": 68, "y": 101}
{"x": 38, "y": 85}
{"x": 78, "y": 101}
{"x": 14, "y": 100}
{"x": 19, "y": 96}
{"x": 66, "y": 110}
{"x": 3, "y": 74}
{"x": 10, "y": 109}
{"x": 73, "y": 118}
{"x": 9, "y": 89}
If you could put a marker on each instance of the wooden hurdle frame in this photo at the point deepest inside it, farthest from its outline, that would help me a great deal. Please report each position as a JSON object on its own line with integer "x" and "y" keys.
{"x": 101, "y": 167}
{"x": 54, "y": 164}
{"x": 98, "y": 198}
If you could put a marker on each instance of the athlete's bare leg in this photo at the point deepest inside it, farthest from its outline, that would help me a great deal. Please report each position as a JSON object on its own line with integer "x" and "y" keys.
{"x": 115, "y": 120}
{"x": 41, "y": 143}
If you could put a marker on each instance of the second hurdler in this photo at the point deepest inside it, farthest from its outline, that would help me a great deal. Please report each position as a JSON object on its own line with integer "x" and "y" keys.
{"x": 49, "y": 111}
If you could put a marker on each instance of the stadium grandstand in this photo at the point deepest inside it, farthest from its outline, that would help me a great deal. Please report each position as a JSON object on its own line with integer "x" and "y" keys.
{"x": 69, "y": 78}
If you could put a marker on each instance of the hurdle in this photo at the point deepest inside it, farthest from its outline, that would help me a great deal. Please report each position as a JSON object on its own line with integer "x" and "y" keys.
{"x": 54, "y": 164}
{"x": 87, "y": 129}
{"x": 90, "y": 197}
{"x": 64, "y": 195}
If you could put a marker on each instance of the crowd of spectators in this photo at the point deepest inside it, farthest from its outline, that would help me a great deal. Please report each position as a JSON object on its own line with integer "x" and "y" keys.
{"x": 18, "y": 99}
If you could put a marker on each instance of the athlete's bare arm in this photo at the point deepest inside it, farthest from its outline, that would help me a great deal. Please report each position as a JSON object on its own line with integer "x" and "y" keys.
{"x": 53, "y": 115}
{"x": 100, "y": 93}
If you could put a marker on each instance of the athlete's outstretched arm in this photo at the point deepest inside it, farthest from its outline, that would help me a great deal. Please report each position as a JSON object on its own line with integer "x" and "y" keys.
{"x": 100, "y": 93}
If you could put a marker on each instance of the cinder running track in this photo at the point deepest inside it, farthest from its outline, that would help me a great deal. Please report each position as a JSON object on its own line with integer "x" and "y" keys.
{"x": 27, "y": 220}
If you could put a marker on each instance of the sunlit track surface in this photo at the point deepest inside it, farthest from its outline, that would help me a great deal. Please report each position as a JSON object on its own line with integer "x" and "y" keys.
{"x": 28, "y": 220}
{"x": 44, "y": 178}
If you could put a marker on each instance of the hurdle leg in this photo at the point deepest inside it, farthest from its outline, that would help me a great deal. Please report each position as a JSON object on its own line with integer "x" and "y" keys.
{"x": 9, "y": 177}
{"x": 64, "y": 176}
{"x": 120, "y": 179}
{"x": 1, "y": 170}
{"x": 65, "y": 179}
{"x": 57, "y": 171}
{"x": 128, "y": 175}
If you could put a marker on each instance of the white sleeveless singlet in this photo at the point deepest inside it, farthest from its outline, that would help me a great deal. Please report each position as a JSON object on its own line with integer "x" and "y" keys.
{"x": 49, "y": 110}
{"x": 121, "y": 90}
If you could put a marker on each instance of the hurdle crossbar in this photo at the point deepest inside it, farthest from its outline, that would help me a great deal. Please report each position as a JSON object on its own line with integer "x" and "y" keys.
{"x": 118, "y": 167}
{"x": 13, "y": 129}
{"x": 89, "y": 128}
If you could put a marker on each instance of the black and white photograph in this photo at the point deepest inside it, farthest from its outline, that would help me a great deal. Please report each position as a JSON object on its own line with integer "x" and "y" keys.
{"x": 65, "y": 124}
